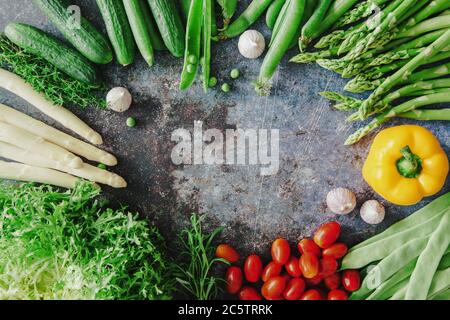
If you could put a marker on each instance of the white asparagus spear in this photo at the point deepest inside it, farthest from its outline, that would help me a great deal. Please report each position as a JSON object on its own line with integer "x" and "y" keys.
{"x": 21, "y": 120}
{"x": 18, "y": 86}
{"x": 23, "y": 172}
{"x": 87, "y": 171}
{"x": 36, "y": 144}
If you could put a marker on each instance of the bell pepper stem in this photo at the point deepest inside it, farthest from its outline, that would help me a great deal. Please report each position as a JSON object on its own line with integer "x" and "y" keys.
{"x": 410, "y": 165}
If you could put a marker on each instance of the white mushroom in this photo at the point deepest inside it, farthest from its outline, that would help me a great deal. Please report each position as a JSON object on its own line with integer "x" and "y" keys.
{"x": 119, "y": 99}
{"x": 251, "y": 44}
{"x": 372, "y": 212}
{"x": 341, "y": 201}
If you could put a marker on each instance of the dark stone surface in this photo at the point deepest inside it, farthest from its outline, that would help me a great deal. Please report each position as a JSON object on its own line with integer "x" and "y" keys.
{"x": 253, "y": 209}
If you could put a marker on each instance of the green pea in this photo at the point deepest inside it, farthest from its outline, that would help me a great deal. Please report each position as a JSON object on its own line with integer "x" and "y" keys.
{"x": 190, "y": 68}
{"x": 192, "y": 59}
{"x": 235, "y": 73}
{"x": 226, "y": 87}
{"x": 212, "y": 82}
{"x": 131, "y": 122}
{"x": 101, "y": 166}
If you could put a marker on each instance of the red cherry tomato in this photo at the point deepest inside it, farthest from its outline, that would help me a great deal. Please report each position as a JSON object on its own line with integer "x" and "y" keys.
{"x": 253, "y": 268}
{"x": 249, "y": 293}
{"x": 274, "y": 287}
{"x": 281, "y": 251}
{"x": 294, "y": 289}
{"x": 337, "y": 295}
{"x": 327, "y": 234}
{"x": 351, "y": 280}
{"x": 335, "y": 251}
{"x": 227, "y": 252}
{"x": 333, "y": 282}
{"x": 293, "y": 268}
{"x": 309, "y": 246}
{"x": 312, "y": 294}
{"x": 309, "y": 265}
{"x": 314, "y": 281}
{"x": 328, "y": 266}
{"x": 234, "y": 278}
{"x": 273, "y": 269}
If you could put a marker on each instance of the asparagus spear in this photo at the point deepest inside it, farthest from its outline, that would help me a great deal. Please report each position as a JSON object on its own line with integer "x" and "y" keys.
{"x": 428, "y": 115}
{"x": 397, "y": 110}
{"x": 360, "y": 11}
{"x": 335, "y": 37}
{"x": 440, "y": 22}
{"x": 434, "y": 7}
{"x": 308, "y": 57}
{"x": 404, "y": 73}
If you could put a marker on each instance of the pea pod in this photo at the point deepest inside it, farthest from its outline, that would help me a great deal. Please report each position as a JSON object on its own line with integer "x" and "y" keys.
{"x": 246, "y": 19}
{"x": 280, "y": 45}
{"x": 272, "y": 13}
{"x": 228, "y": 9}
{"x": 280, "y": 19}
{"x": 207, "y": 18}
{"x": 193, "y": 44}
{"x": 314, "y": 22}
{"x": 184, "y": 6}
{"x": 310, "y": 6}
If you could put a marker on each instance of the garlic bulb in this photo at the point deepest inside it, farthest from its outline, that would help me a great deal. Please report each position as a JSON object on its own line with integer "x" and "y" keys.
{"x": 341, "y": 201}
{"x": 251, "y": 44}
{"x": 372, "y": 212}
{"x": 119, "y": 99}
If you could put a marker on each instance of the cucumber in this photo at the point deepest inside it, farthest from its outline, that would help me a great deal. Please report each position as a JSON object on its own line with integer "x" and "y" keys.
{"x": 118, "y": 29}
{"x": 138, "y": 13}
{"x": 169, "y": 24}
{"x": 57, "y": 53}
{"x": 86, "y": 38}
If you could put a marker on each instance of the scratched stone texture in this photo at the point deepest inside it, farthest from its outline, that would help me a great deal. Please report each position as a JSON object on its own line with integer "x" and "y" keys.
{"x": 253, "y": 209}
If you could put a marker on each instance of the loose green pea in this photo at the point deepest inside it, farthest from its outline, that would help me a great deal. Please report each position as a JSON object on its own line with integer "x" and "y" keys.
{"x": 235, "y": 73}
{"x": 131, "y": 122}
{"x": 101, "y": 166}
{"x": 192, "y": 59}
{"x": 226, "y": 87}
{"x": 190, "y": 68}
{"x": 212, "y": 82}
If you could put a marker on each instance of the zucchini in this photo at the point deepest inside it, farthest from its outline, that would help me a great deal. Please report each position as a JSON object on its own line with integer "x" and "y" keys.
{"x": 169, "y": 24}
{"x": 86, "y": 38}
{"x": 118, "y": 29}
{"x": 57, "y": 53}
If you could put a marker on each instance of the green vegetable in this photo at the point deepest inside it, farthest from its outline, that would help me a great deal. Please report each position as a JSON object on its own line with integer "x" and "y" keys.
{"x": 170, "y": 26}
{"x": 131, "y": 122}
{"x": 226, "y": 87}
{"x": 54, "y": 51}
{"x": 84, "y": 37}
{"x": 437, "y": 7}
{"x": 428, "y": 115}
{"x": 228, "y": 9}
{"x": 212, "y": 82}
{"x": 235, "y": 73}
{"x": 206, "y": 59}
{"x": 246, "y": 19}
{"x": 194, "y": 271}
{"x": 102, "y": 166}
{"x": 193, "y": 44}
{"x": 119, "y": 30}
{"x": 68, "y": 245}
{"x": 360, "y": 11}
{"x": 185, "y": 5}
{"x": 313, "y": 23}
{"x": 272, "y": 13}
{"x": 280, "y": 45}
{"x": 440, "y": 22}
{"x": 47, "y": 79}
{"x": 142, "y": 26}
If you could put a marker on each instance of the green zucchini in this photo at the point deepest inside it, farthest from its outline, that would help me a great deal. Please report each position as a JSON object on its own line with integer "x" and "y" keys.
{"x": 86, "y": 38}
{"x": 119, "y": 30}
{"x": 169, "y": 24}
{"x": 57, "y": 53}
{"x": 138, "y": 13}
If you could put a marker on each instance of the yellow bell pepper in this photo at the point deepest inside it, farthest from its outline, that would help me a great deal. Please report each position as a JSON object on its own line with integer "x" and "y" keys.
{"x": 405, "y": 164}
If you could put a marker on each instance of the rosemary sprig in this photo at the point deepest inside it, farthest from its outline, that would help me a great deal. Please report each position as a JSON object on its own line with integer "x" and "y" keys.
{"x": 57, "y": 87}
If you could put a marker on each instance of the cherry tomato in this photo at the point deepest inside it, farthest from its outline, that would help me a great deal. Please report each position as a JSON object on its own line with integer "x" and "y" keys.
{"x": 226, "y": 252}
{"x": 314, "y": 281}
{"x": 273, "y": 269}
{"x": 309, "y": 246}
{"x": 337, "y": 295}
{"x": 281, "y": 251}
{"x": 335, "y": 251}
{"x": 309, "y": 265}
{"x": 333, "y": 282}
{"x": 249, "y": 293}
{"x": 327, "y": 234}
{"x": 312, "y": 294}
{"x": 328, "y": 266}
{"x": 351, "y": 280}
{"x": 274, "y": 287}
{"x": 293, "y": 268}
{"x": 294, "y": 289}
{"x": 253, "y": 268}
{"x": 234, "y": 279}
